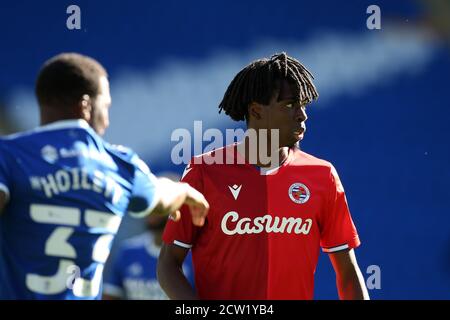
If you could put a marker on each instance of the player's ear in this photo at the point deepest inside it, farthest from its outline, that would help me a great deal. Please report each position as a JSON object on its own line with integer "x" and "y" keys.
{"x": 255, "y": 111}
{"x": 85, "y": 107}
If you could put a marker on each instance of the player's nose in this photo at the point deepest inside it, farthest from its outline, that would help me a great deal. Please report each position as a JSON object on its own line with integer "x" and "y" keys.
{"x": 300, "y": 115}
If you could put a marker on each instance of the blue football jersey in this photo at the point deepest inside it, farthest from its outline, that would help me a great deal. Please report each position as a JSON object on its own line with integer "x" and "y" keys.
{"x": 67, "y": 193}
{"x": 133, "y": 271}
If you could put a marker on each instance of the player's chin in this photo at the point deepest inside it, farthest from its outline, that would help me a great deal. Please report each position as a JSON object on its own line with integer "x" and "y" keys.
{"x": 293, "y": 140}
{"x": 298, "y": 136}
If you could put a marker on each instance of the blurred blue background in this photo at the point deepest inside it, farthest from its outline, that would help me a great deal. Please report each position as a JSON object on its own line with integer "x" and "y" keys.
{"x": 382, "y": 117}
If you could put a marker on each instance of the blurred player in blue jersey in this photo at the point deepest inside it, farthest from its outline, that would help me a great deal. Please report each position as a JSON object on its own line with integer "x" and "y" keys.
{"x": 64, "y": 190}
{"x": 133, "y": 272}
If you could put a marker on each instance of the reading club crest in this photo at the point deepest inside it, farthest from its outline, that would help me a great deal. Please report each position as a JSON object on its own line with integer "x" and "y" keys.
{"x": 299, "y": 193}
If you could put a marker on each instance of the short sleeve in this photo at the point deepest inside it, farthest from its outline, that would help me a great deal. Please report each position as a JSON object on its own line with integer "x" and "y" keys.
{"x": 144, "y": 195}
{"x": 4, "y": 177}
{"x": 338, "y": 232}
{"x": 183, "y": 232}
{"x": 113, "y": 283}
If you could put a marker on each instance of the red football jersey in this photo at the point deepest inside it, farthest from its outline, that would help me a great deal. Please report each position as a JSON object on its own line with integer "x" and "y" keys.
{"x": 263, "y": 233}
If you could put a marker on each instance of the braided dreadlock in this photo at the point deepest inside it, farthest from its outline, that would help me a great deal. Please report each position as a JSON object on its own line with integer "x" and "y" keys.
{"x": 258, "y": 82}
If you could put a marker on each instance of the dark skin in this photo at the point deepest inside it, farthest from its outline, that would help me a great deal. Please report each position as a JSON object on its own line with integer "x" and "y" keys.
{"x": 170, "y": 273}
{"x": 285, "y": 114}
{"x": 288, "y": 115}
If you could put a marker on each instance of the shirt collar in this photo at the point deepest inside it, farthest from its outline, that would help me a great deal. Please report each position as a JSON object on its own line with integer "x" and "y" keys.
{"x": 64, "y": 124}
{"x": 262, "y": 170}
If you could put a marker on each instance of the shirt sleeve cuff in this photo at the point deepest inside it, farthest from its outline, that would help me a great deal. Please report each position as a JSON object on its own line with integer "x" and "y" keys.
{"x": 354, "y": 243}
{"x": 182, "y": 244}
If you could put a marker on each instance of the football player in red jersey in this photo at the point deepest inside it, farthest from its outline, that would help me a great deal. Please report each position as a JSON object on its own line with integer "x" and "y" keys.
{"x": 268, "y": 220}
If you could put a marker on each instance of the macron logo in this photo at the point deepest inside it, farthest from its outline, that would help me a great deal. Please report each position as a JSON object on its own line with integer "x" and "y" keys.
{"x": 186, "y": 171}
{"x": 235, "y": 189}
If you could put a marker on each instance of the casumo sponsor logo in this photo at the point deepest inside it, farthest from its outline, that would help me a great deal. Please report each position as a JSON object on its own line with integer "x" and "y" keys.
{"x": 265, "y": 223}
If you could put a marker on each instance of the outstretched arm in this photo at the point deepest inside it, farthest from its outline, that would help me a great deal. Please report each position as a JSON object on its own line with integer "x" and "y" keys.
{"x": 349, "y": 279}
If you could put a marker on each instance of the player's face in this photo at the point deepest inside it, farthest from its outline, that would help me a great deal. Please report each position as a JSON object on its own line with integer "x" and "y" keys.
{"x": 288, "y": 115}
{"x": 100, "y": 108}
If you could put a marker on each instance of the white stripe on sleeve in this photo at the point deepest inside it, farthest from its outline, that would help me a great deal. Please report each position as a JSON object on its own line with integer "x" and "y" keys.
{"x": 334, "y": 249}
{"x": 182, "y": 244}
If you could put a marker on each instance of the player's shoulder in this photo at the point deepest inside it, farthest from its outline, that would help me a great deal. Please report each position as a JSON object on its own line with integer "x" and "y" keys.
{"x": 211, "y": 160}
{"x": 11, "y": 142}
{"x": 120, "y": 151}
{"x": 304, "y": 159}
{"x": 12, "y": 138}
{"x": 3, "y": 142}
{"x": 216, "y": 156}
{"x": 301, "y": 156}
{"x": 127, "y": 155}
{"x": 4, "y": 160}
{"x": 44, "y": 133}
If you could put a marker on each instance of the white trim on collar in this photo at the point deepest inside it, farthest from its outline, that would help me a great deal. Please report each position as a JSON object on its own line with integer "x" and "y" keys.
{"x": 57, "y": 125}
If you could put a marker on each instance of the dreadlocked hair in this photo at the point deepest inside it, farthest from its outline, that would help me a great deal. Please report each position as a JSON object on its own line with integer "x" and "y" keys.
{"x": 258, "y": 82}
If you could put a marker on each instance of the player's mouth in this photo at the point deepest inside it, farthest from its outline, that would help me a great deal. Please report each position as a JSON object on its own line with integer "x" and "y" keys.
{"x": 299, "y": 132}
{"x": 300, "y": 129}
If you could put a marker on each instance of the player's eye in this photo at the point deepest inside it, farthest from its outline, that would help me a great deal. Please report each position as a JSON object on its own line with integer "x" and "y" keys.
{"x": 290, "y": 105}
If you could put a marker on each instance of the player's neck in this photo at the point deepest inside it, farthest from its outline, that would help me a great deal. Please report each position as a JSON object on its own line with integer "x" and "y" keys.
{"x": 267, "y": 157}
{"x": 50, "y": 115}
